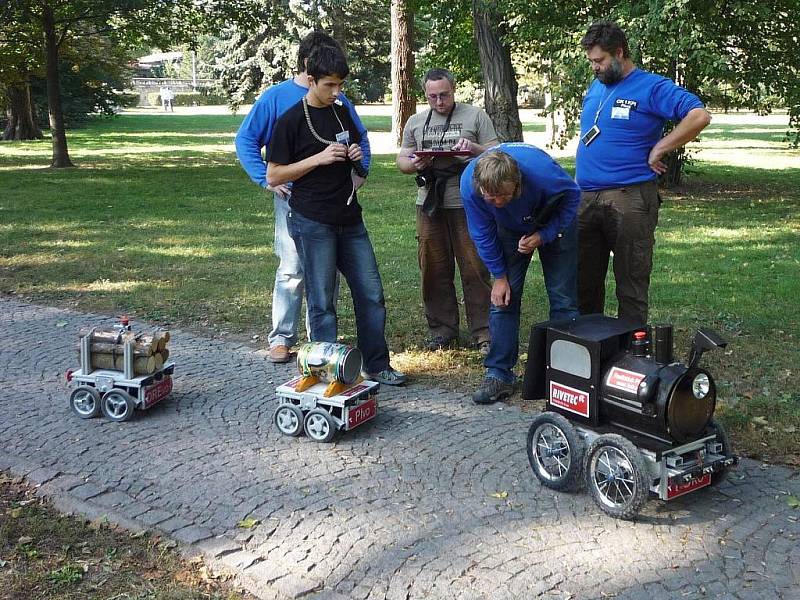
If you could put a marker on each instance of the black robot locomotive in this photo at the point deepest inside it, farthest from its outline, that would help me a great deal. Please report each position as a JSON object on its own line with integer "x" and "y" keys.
{"x": 621, "y": 413}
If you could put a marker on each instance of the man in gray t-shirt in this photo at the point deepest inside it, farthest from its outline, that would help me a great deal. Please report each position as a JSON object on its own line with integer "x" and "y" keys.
{"x": 443, "y": 239}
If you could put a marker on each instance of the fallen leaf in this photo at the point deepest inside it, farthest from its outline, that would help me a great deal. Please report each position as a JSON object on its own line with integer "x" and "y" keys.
{"x": 500, "y": 495}
{"x": 793, "y": 502}
{"x": 24, "y": 540}
{"x": 16, "y": 513}
{"x": 760, "y": 420}
{"x": 3, "y": 563}
{"x": 790, "y": 429}
{"x": 248, "y": 523}
{"x": 152, "y": 574}
{"x": 61, "y": 324}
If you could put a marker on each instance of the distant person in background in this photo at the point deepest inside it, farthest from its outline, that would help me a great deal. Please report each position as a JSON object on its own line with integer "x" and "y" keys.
{"x": 620, "y": 156}
{"x": 254, "y": 134}
{"x": 166, "y": 98}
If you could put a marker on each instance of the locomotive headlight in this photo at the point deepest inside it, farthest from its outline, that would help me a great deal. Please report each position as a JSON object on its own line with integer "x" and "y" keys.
{"x": 690, "y": 404}
{"x": 700, "y": 386}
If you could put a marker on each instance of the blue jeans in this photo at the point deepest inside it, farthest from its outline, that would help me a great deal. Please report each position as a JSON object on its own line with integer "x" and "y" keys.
{"x": 287, "y": 294}
{"x": 559, "y": 261}
{"x": 325, "y": 248}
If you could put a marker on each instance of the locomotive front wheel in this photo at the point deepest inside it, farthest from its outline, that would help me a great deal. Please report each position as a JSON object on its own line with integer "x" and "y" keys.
{"x": 117, "y": 405}
{"x": 727, "y": 450}
{"x": 289, "y": 420}
{"x": 617, "y": 476}
{"x": 85, "y": 401}
{"x": 319, "y": 426}
{"x": 555, "y": 452}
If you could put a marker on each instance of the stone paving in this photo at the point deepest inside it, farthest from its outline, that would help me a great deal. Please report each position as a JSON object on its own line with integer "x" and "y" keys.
{"x": 410, "y": 506}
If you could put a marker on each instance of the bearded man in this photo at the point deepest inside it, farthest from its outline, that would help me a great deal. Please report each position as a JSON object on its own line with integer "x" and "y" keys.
{"x": 618, "y": 162}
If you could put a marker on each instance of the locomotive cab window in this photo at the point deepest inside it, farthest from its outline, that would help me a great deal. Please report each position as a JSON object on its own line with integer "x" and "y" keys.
{"x": 571, "y": 358}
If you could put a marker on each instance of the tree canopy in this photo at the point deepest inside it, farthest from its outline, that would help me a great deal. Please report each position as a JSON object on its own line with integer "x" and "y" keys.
{"x": 259, "y": 53}
{"x": 49, "y": 25}
{"x": 733, "y": 53}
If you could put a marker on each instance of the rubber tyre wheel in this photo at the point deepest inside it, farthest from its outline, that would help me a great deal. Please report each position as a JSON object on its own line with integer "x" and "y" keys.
{"x": 555, "y": 452}
{"x": 319, "y": 426}
{"x": 288, "y": 418}
{"x": 117, "y": 405}
{"x": 722, "y": 438}
{"x": 617, "y": 476}
{"x": 85, "y": 401}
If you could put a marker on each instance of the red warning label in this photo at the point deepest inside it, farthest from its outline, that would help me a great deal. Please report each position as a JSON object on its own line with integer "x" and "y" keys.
{"x": 622, "y": 379}
{"x": 569, "y": 399}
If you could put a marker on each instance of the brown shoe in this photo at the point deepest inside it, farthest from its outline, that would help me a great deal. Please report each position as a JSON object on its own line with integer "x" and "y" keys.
{"x": 279, "y": 354}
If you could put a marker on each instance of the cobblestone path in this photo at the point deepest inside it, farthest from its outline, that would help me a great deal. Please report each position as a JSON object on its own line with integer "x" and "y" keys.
{"x": 412, "y": 505}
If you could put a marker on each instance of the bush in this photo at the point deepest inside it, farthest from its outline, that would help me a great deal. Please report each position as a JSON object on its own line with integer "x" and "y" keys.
{"x": 127, "y": 99}
{"x": 198, "y": 99}
{"x": 154, "y": 99}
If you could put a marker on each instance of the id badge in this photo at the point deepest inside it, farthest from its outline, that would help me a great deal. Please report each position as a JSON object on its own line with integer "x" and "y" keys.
{"x": 343, "y": 137}
{"x": 590, "y": 135}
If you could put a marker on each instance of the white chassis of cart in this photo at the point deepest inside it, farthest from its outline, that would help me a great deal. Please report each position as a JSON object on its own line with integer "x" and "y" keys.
{"x": 115, "y": 394}
{"x": 322, "y": 417}
{"x": 619, "y": 474}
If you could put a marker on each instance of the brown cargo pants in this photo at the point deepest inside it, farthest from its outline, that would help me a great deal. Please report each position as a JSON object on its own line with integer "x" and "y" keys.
{"x": 443, "y": 241}
{"x": 621, "y": 221}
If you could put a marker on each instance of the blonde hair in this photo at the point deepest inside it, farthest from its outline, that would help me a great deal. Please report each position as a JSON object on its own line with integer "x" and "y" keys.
{"x": 494, "y": 171}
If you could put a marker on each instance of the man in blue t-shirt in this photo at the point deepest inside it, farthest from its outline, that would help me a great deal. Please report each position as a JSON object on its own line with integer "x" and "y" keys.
{"x": 618, "y": 162}
{"x": 254, "y": 134}
{"x": 517, "y": 199}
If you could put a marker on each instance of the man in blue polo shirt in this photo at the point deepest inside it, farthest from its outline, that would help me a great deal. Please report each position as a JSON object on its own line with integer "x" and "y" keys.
{"x": 517, "y": 199}
{"x": 254, "y": 134}
{"x": 618, "y": 162}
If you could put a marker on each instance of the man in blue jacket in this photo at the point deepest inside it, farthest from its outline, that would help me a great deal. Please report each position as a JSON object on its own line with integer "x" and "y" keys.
{"x": 618, "y": 162}
{"x": 253, "y": 135}
{"x": 518, "y": 199}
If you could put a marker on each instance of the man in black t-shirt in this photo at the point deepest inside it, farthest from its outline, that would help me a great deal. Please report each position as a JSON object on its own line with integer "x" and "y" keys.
{"x": 315, "y": 145}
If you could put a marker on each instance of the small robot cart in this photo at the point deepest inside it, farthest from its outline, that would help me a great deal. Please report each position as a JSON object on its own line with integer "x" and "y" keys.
{"x": 625, "y": 420}
{"x": 307, "y": 404}
{"x": 116, "y": 393}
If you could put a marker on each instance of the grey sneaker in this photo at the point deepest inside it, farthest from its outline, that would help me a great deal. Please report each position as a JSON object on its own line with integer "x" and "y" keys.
{"x": 492, "y": 390}
{"x": 387, "y": 377}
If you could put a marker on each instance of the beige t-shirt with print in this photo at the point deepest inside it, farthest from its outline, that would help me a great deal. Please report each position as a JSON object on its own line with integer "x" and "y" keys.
{"x": 468, "y": 122}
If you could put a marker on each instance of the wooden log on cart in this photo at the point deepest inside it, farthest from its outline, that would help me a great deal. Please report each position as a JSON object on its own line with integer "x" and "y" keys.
{"x": 142, "y": 365}
{"x": 104, "y": 348}
{"x": 108, "y": 340}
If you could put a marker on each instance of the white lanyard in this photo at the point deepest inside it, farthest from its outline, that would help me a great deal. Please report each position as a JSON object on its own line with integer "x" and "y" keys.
{"x": 603, "y": 101}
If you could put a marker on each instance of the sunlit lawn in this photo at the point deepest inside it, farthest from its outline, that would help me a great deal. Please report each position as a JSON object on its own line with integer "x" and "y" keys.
{"x": 160, "y": 222}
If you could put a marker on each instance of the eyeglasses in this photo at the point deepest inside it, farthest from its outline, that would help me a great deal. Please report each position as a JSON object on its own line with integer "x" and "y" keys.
{"x": 442, "y": 96}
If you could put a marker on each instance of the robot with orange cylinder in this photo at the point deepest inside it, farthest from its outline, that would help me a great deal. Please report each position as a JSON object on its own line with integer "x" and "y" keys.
{"x": 329, "y": 395}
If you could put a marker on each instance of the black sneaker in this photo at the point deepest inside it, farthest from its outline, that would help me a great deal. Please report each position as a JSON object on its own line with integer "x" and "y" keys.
{"x": 438, "y": 342}
{"x": 492, "y": 390}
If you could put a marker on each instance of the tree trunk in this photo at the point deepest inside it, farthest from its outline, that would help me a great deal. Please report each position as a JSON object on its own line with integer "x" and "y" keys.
{"x": 675, "y": 162}
{"x": 60, "y": 152}
{"x": 21, "y": 114}
{"x": 498, "y": 73}
{"x": 404, "y": 104}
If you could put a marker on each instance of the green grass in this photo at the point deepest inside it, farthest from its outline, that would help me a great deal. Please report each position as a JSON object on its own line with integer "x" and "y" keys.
{"x": 160, "y": 222}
